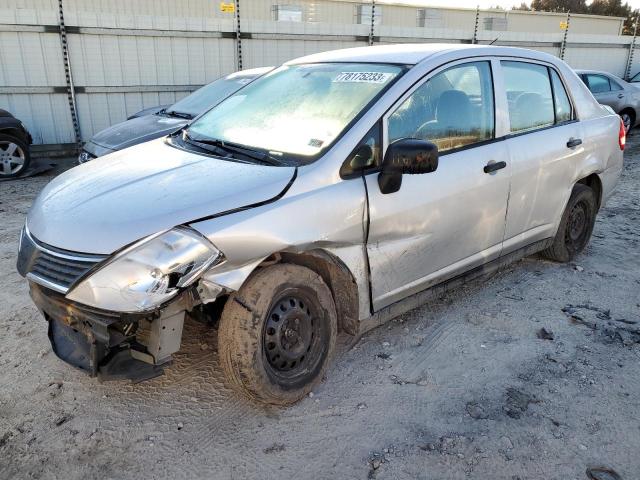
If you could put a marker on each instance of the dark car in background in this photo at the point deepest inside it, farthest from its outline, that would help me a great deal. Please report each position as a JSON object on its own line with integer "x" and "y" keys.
{"x": 14, "y": 146}
{"x": 610, "y": 90}
{"x": 157, "y": 122}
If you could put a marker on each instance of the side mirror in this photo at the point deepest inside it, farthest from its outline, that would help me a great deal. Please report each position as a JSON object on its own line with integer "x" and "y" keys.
{"x": 406, "y": 156}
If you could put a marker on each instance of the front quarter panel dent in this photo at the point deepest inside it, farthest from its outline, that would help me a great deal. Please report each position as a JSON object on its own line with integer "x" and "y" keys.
{"x": 324, "y": 219}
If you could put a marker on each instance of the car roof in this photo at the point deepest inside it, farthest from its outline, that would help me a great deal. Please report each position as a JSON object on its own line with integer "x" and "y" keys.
{"x": 413, "y": 53}
{"x": 598, "y": 72}
{"x": 250, "y": 72}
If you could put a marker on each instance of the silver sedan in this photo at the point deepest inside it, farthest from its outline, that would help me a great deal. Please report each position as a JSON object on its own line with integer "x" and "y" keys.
{"x": 329, "y": 195}
{"x": 623, "y": 97}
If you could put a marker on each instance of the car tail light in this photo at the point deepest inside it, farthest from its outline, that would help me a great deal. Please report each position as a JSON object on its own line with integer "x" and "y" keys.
{"x": 622, "y": 136}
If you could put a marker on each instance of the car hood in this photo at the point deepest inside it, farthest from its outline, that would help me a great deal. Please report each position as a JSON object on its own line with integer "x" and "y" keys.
{"x": 137, "y": 130}
{"x": 103, "y": 205}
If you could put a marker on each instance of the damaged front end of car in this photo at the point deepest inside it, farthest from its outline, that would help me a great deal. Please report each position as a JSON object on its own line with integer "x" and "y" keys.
{"x": 119, "y": 316}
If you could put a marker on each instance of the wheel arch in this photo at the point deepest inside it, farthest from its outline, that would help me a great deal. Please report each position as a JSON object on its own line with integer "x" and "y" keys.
{"x": 335, "y": 274}
{"x": 16, "y": 132}
{"x": 594, "y": 182}
{"x": 333, "y": 271}
{"x": 340, "y": 273}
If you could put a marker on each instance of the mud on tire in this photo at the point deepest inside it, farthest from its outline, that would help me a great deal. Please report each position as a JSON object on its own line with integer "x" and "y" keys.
{"x": 576, "y": 225}
{"x": 277, "y": 334}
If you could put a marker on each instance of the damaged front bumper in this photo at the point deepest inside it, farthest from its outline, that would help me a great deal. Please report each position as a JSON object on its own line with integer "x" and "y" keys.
{"x": 112, "y": 345}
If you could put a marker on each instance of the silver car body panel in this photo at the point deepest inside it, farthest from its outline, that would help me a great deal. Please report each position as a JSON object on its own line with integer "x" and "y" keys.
{"x": 435, "y": 227}
{"x": 103, "y": 205}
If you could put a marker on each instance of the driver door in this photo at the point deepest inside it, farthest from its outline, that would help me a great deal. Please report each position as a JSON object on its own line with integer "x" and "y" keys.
{"x": 442, "y": 223}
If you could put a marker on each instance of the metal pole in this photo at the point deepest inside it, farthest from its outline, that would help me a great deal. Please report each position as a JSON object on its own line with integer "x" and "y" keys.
{"x": 238, "y": 37}
{"x": 632, "y": 47}
{"x": 71, "y": 95}
{"x": 563, "y": 46}
{"x": 373, "y": 16}
{"x": 474, "y": 40}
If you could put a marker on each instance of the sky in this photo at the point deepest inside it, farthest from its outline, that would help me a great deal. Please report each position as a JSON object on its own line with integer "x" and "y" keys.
{"x": 474, "y": 3}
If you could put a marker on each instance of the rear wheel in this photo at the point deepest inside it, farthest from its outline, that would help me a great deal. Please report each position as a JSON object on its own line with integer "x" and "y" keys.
{"x": 575, "y": 227}
{"x": 277, "y": 334}
{"x": 628, "y": 119}
{"x": 14, "y": 156}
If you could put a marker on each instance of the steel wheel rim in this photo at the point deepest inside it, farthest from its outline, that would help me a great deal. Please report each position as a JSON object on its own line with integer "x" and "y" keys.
{"x": 294, "y": 337}
{"x": 577, "y": 224}
{"x": 12, "y": 158}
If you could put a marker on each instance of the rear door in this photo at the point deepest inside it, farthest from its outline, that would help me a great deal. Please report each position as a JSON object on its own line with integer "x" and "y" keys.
{"x": 545, "y": 144}
{"x": 442, "y": 223}
{"x": 606, "y": 90}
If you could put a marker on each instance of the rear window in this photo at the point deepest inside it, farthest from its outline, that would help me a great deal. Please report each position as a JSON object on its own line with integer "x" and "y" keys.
{"x": 536, "y": 95}
{"x": 529, "y": 95}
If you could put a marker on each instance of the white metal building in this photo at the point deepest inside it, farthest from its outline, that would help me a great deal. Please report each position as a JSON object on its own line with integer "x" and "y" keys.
{"x": 125, "y": 55}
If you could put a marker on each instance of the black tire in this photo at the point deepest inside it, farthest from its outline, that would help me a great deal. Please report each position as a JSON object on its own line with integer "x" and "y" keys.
{"x": 14, "y": 156}
{"x": 277, "y": 334}
{"x": 628, "y": 119}
{"x": 575, "y": 227}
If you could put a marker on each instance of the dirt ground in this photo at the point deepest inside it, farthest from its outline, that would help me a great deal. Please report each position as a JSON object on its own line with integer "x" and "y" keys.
{"x": 460, "y": 388}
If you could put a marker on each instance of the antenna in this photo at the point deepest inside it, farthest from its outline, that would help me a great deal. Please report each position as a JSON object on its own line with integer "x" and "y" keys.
{"x": 494, "y": 40}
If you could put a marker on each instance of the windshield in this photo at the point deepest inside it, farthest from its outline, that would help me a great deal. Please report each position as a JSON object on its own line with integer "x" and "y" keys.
{"x": 635, "y": 78}
{"x": 297, "y": 109}
{"x": 209, "y": 95}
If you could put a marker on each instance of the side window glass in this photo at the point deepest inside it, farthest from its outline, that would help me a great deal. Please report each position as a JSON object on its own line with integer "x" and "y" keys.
{"x": 529, "y": 95}
{"x": 373, "y": 140}
{"x": 598, "y": 84}
{"x": 615, "y": 86}
{"x": 561, "y": 99}
{"x": 452, "y": 109}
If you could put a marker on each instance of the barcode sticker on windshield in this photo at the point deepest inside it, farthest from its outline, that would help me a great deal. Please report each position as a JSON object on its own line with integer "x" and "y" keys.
{"x": 362, "y": 77}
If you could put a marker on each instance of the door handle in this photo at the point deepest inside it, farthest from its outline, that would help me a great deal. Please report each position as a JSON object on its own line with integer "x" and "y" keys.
{"x": 574, "y": 142}
{"x": 620, "y": 95}
{"x": 492, "y": 167}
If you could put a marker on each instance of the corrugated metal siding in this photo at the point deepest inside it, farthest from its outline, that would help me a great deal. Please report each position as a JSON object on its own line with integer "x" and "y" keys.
{"x": 131, "y": 60}
{"x": 46, "y": 116}
{"x": 30, "y": 59}
{"x": 134, "y": 54}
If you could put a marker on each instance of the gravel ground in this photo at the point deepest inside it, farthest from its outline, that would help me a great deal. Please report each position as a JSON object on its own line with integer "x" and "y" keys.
{"x": 463, "y": 387}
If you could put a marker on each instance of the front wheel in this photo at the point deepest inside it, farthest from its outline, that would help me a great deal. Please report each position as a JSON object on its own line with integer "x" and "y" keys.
{"x": 14, "y": 156}
{"x": 277, "y": 334}
{"x": 575, "y": 227}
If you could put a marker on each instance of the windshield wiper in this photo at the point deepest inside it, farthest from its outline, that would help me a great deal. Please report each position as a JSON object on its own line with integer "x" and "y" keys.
{"x": 173, "y": 113}
{"x": 262, "y": 157}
